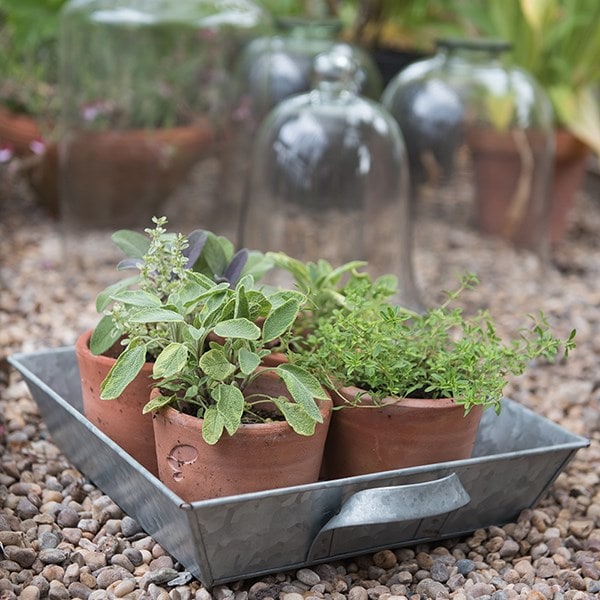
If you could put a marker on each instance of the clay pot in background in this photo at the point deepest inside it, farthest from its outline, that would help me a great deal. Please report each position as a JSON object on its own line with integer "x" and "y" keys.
{"x": 570, "y": 159}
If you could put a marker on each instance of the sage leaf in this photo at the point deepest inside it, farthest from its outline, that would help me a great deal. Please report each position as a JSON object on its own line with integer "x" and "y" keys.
{"x": 280, "y": 319}
{"x": 170, "y": 361}
{"x": 296, "y": 417}
{"x": 230, "y": 404}
{"x": 241, "y": 304}
{"x": 248, "y": 361}
{"x": 104, "y": 336}
{"x": 214, "y": 363}
{"x": 156, "y": 315}
{"x": 239, "y": 329}
{"x": 132, "y": 243}
{"x": 137, "y": 298}
{"x": 212, "y": 427}
{"x": 123, "y": 372}
{"x": 155, "y": 404}
{"x": 296, "y": 381}
{"x": 104, "y": 298}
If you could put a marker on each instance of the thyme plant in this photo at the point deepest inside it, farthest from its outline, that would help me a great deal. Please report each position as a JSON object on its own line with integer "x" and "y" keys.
{"x": 389, "y": 351}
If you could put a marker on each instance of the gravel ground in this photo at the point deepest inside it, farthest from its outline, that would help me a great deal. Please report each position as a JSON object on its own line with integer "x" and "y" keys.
{"x": 62, "y": 538}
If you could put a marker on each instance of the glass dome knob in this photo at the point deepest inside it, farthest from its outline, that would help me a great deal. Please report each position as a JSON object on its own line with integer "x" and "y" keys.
{"x": 336, "y": 71}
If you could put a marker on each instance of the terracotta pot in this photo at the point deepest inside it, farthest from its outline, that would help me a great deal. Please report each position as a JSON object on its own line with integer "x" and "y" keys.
{"x": 42, "y": 174}
{"x": 258, "y": 457}
{"x": 570, "y": 159}
{"x": 406, "y": 433}
{"x": 119, "y": 178}
{"x": 511, "y": 185}
{"x": 120, "y": 419}
{"x": 18, "y": 131}
{"x": 498, "y": 169}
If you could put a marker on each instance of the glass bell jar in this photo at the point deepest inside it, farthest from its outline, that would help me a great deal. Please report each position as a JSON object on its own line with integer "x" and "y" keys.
{"x": 275, "y": 67}
{"x": 479, "y": 137}
{"x": 329, "y": 179}
{"x": 144, "y": 85}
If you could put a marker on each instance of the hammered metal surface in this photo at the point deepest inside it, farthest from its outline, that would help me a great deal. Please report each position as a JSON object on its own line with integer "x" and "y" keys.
{"x": 517, "y": 456}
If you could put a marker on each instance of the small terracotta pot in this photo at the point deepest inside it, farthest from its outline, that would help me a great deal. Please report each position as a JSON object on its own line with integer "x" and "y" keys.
{"x": 511, "y": 194}
{"x": 18, "y": 131}
{"x": 406, "y": 433}
{"x": 257, "y": 457}
{"x": 114, "y": 178}
{"x": 120, "y": 419}
{"x": 497, "y": 168}
{"x": 570, "y": 159}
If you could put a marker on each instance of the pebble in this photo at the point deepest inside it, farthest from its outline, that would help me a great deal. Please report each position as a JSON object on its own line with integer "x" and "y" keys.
{"x": 63, "y": 538}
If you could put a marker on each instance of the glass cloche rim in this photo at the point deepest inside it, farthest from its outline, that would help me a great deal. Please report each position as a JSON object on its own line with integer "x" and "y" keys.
{"x": 484, "y": 44}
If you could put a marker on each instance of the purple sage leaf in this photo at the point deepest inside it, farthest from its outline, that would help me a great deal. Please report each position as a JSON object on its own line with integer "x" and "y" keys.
{"x": 196, "y": 241}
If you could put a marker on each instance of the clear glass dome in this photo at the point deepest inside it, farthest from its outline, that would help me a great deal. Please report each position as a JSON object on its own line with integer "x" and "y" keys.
{"x": 329, "y": 179}
{"x": 276, "y": 67}
{"x": 145, "y": 86}
{"x": 479, "y": 136}
{"x": 273, "y": 68}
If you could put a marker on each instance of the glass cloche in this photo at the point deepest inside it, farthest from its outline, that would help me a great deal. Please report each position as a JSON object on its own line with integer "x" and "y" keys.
{"x": 144, "y": 86}
{"x": 479, "y": 136}
{"x": 329, "y": 179}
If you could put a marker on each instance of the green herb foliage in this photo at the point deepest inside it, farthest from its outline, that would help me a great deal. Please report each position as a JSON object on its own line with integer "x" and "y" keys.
{"x": 211, "y": 349}
{"x": 389, "y": 351}
{"x": 327, "y": 288}
{"x": 161, "y": 259}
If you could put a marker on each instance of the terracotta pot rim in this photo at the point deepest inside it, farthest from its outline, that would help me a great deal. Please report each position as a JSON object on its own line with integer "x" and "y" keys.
{"x": 154, "y": 132}
{"x": 348, "y": 392}
{"x": 82, "y": 348}
{"x": 246, "y": 429}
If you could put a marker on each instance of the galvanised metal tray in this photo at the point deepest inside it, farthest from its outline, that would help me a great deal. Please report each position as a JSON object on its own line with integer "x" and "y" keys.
{"x": 517, "y": 456}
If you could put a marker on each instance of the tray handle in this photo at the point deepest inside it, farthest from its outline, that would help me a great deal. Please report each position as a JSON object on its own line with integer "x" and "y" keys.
{"x": 393, "y": 504}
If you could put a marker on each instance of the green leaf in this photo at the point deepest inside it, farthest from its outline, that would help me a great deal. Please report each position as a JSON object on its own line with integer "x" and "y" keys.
{"x": 257, "y": 265}
{"x": 300, "y": 392}
{"x": 296, "y": 417}
{"x": 238, "y": 329}
{"x": 309, "y": 381}
{"x": 170, "y": 361}
{"x": 137, "y": 298}
{"x": 156, "y": 315}
{"x": 212, "y": 427}
{"x": 241, "y": 304}
{"x": 104, "y": 297}
{"x": 230, "y": 404}
{"x": 249, "y": 361}
{"x": 123, "y": 372}
{"x": 215, "y": 256}
{"x": 156, "y": 403}
{"x": 132, "y": 243}
{"x": 280, "y": 320}
{"x": 214, "y": 363}
{"x": 192, "y": 292}
{"x": 104, "y": 335}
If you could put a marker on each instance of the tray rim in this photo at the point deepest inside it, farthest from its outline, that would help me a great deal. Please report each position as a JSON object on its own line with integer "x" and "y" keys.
{"x": 15, "y": 360}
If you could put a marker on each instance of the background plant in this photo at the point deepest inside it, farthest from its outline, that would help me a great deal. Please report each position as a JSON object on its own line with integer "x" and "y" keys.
{"x": 29, "y": 56}
{"x": 389, "y": 351}
{"x": 164, "y": 65}
{"x": 557, "y": 42}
